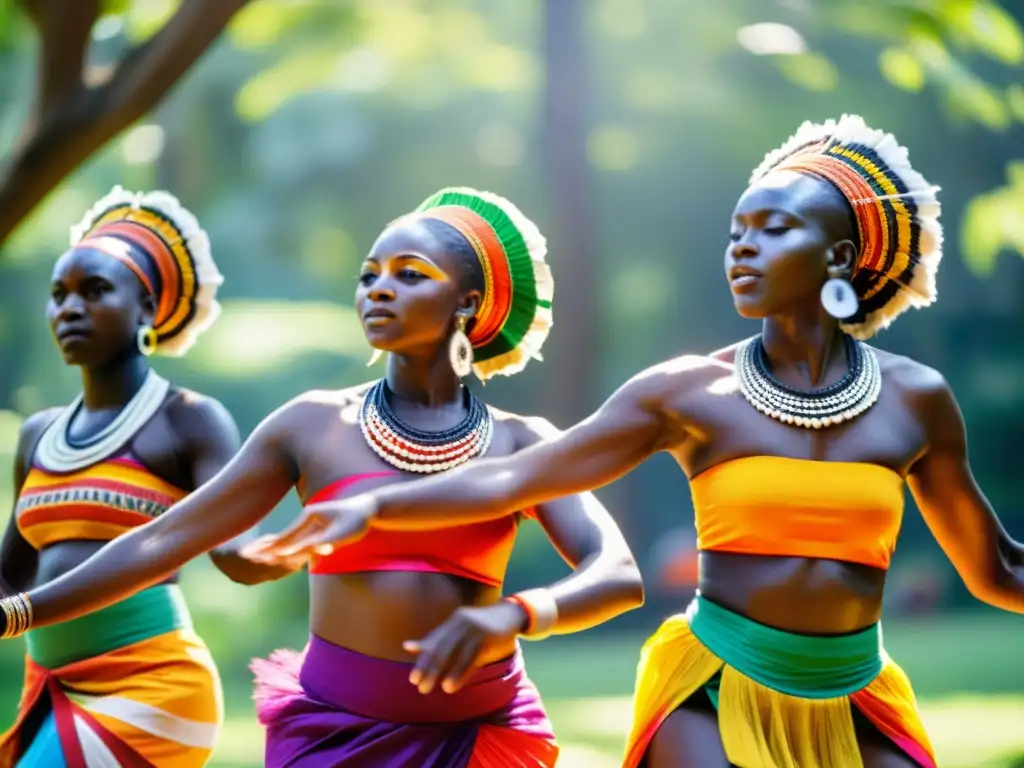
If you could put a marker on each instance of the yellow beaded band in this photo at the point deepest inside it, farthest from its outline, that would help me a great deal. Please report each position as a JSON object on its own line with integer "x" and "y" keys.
{"x": 17, "y": 615}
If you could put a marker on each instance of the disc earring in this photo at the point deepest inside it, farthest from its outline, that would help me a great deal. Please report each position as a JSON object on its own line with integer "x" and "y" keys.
{"x": 460, "y": 351}
{"x": 839, "y": 298}
{"x": 146, "y": 339}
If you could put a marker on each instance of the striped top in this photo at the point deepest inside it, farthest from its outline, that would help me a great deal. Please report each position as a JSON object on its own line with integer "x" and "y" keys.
{"x": 97, "y": 503}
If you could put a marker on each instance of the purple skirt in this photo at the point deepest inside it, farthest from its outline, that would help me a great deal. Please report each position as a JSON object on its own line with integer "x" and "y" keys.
{"x": 332, "y": 707}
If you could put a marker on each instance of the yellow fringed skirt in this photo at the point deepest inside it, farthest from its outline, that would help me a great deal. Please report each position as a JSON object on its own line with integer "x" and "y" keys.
{"x": 783, "y": 700}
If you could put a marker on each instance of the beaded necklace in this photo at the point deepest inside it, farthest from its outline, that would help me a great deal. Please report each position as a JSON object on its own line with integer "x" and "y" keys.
{"x": 58, "y": 454}
{"x": 412, "y": 450}
{"x": 842, "y": 401}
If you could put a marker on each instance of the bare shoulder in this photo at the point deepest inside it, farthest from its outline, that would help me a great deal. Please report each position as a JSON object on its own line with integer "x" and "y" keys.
{"x": 324, "y": 402}
{"x": 318, "y": 408}
{"x": 916, "y": 382}
{"x": 925, "y": 392}
{"x": 676, "y": 378}
{"x": 525, "y": 430}
{"x": 195, "y": 415}
{"x": 32, "y": 429}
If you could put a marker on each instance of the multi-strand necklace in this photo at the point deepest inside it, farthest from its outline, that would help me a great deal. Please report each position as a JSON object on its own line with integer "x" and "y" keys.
{"x": 412, "y": 450}
{"x": 58, "y": 454}
{"x": 844, "y": 400}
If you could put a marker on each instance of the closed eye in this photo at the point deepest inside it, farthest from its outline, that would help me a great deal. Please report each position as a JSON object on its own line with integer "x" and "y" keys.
{"x": 775, "y": 231}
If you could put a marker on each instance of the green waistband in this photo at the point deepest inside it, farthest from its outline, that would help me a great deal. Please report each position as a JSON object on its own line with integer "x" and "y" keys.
{"x": 154, "y": 611}
{"x": 811, "y": 667}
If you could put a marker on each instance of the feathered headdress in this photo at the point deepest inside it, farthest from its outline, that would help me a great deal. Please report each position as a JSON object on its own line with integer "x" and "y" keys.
{"x": 897, "y": 213}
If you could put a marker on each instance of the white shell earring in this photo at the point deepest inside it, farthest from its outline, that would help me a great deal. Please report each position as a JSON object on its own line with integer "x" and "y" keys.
{"x": 839, "y": 298}
{"x": 460, "y": 351}
{"x": 374, "y": 358}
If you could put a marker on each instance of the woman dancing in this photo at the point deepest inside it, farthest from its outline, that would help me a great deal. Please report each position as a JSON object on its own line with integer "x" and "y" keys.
{"x": 130, "y": 684}
{"x": 458, "y": 285}
{"x": 797, "y": 443}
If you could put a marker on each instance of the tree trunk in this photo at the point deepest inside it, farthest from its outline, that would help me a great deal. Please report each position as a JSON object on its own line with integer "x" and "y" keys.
{"x": 571, "y": 354}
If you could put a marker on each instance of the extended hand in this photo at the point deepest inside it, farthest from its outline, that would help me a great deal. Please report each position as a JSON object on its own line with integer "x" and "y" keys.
{"x": 317, "y": 531}
{"x": 243, "y": 565}
{"x": 453, "y": 650}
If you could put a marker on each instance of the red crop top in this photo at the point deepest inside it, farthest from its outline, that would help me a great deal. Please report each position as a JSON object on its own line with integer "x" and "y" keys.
{"x": 479, "y": 551}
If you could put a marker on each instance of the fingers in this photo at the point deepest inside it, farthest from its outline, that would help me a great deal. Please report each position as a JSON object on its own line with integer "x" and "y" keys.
{"x": 464, "y": 663}
{"x": 323, "y": 539}
{"x": 277, "y": 544}
{"x": 435, "y": 655}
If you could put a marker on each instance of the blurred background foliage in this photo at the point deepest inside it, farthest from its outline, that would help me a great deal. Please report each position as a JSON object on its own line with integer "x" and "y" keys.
{"x": 627, "y": 129}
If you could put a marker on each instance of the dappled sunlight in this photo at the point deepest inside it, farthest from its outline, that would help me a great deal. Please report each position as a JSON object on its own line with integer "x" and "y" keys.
{"x": 593, "y": 717}
{"x": 253, "y": 337}
{"x": 770, "y": 38}
{"x": 210, "y": 593}
{"x": 613, "y": 148}
{"x": 973, "y": 731}
{"x": 579, "y": 756}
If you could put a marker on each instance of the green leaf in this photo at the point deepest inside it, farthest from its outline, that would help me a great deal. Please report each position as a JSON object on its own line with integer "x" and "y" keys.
{"x": 299, "y": 73}
{"x": 987, "y": 27}
{"x": 144, "y": 19}
{"x": 114, "y": 7}
{"x": 812, "y": 71}
{"x": 976, "y": 99}
{"x": 992, "y": 223}
{"x": 1015, "y": 101}
{"x": 902, "y": 68}
{"x": 259, "y": 25}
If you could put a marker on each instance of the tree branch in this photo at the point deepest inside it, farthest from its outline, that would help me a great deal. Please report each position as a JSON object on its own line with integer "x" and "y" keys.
{"x": 77, "y": 122}
{"x": 64, "y": 28}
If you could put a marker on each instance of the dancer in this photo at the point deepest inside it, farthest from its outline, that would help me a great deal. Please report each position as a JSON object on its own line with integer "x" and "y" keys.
{"x": 797, "y": 443}
{"x": 138, "y": 279}
{"x": 413, "y": 657}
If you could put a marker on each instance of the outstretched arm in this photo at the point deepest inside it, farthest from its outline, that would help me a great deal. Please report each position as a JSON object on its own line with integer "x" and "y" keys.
{"x": 604, "y": 583}
{"x": 233, "y": 501}
{"x": 211, "y": 440}
{"x": 631, "y": 426}
{"x": 605, "y": 580}
{"x": 957, "y": 512}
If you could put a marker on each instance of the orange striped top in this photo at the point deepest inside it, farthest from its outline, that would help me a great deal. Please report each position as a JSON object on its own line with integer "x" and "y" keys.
{"x": 98, "y": 503}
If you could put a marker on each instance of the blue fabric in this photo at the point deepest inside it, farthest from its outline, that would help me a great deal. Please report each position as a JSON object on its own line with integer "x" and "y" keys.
{"x": 45, "y": 751}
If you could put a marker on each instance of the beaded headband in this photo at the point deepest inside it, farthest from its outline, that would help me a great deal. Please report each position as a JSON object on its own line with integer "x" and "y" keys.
{"x": 164, "y": 246}
{"x": 897, "y": 214}
{"x": 514, "y": 318}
